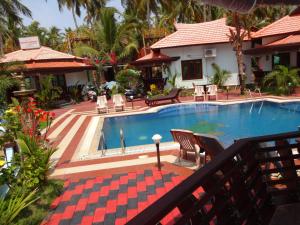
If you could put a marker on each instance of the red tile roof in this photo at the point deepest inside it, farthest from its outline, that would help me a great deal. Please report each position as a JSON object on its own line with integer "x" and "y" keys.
{"x": 285, "y": 25}
{"x": 292, "y": 39}
{"x": 152, "y": 57}
{"x": 43, "y": 53}
{"x": 285, "y": 44}
{"x": 196, "y": 34}
{"x": 56, "y": 65}
{"x": 46, "y": 58}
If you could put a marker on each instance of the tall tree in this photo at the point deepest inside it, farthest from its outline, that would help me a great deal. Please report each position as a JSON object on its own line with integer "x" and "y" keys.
{"x": 35, "y": 29}
{"x": 93, "y": 8}
{"x": 142, "y": 8}
{"x": 243, "y": 24}
{"x": 10, "y": 10}
{"x": 236, "y": 37}
{"x": 54, "y": 38}
{"x": 74, "y": 6}
{"x": 111, "y": 40}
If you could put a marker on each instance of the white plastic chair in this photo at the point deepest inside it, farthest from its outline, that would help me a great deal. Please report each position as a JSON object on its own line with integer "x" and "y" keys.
{"x": 101, "y": 104}
{"x": 118, "y": 102}
{"x": 212, "y": 90}
{"x": 199, "y": 92}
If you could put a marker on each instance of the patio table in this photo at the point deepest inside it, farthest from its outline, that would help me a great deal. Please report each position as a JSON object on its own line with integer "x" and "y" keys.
{"x": 288, "y": 214}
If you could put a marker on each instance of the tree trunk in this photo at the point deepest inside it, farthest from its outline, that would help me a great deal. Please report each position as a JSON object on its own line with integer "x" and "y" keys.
{"x": 239, "y": 54}
{"x": 204, "y": 13}
{"x": 1, "y": 46}
{"x": 209, "y": 13}
{"x": 74, "y": 18}
{"x": 148, "y": 13}
{"x": 144, "y": 43}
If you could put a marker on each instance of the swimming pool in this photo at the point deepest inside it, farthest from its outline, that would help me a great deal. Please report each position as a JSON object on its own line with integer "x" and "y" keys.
{"x": 227, "y": 122}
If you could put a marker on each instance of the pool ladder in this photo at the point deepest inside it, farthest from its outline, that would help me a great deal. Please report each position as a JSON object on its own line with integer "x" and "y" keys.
{"x": 103, "y": 146}
{"x": 122, "y": 141}
{"x": 255, "y": 90}
{"x": 260, "y": 107}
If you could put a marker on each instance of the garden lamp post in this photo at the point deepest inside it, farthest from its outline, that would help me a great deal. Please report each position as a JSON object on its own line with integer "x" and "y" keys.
{"x": 156, "y": 138}
{"x": 289, "y": 88}
{"x": 227, "y": 91}
{"x": 131, "y": 97}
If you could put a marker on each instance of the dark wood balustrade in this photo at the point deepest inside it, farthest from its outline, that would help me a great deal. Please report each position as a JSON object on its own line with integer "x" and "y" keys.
{"x": 242, "y": 185}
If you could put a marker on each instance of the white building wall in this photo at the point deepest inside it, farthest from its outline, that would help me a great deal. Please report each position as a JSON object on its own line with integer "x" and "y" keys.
{"x": 73, "y": 78}
{"x": 225, "y": 58}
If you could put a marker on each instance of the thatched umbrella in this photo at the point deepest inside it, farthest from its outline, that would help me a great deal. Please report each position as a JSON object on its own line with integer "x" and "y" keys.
{"x": 245, "y": 6}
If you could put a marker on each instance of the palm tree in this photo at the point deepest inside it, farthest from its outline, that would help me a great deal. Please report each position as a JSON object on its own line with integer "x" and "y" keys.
{"x": 243, "y": 24}
{"x": 236, "y": 37}
{"x": 10, "y": 10}
{"x": 142, "y": 8}
{"x": 220, "y": 76}
{"x": 109, "y": 37}
{"x": 93, "y": 8}
{"x": 34, "y": 29}
{"x": 191, "y": 11}
{"x": 110, "y": 40}
{"x": 74, "y": 6}
{"x": 282, "y": 79}
{"x": 54, "y": 38}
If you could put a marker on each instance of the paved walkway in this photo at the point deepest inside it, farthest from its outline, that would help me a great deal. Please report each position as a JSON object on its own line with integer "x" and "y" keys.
{"x": 113, "y": 199}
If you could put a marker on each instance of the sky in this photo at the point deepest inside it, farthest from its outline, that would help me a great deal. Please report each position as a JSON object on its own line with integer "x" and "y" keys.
{"x": 47, "y": 13}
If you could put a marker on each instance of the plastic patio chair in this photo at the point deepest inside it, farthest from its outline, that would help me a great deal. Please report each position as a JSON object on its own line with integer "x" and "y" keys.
{"x": 118, "y": 101}
{"x": 101, "y": 104}
{"x": 187, "y": 143}
{"x": 212, "y": 91}
{"x": 199, "y": 92}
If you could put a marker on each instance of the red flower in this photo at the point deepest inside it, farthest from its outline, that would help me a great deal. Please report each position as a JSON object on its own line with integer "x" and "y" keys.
{"x": 52, "y": 115}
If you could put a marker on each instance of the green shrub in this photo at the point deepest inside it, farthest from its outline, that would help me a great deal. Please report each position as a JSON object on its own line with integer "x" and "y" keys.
{"x": 282, "y": 80}
{"x": 220, "y": 76}
{"x": 127, "y": 79}
{"x": 12, "y": 206}
{"x": 75, "y": 93}
{"x": 48, "y": 94}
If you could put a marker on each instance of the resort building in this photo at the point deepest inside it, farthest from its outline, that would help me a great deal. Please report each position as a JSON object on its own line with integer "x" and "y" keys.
{"x": 195, "y": 47}
{"x": 276, "y": 44}
{"x": 38, "y": 61}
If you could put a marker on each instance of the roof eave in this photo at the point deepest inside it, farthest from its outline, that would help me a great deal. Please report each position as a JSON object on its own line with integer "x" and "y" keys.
{"x": 179, "y": 46}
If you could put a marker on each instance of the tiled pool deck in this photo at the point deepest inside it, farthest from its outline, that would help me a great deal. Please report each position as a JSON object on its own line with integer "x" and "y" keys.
{"x": 74, "y": 133}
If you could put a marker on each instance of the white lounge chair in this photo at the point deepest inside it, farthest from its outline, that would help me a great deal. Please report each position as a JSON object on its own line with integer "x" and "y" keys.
{"x": 212, "y": 91}
{"x": 101, "y": 104}
{"x": 118, "y": 102}
{"x": 199, "y": 92}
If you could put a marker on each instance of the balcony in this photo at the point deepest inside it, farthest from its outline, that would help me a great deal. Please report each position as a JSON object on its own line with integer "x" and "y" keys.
{"x": 251, "y": 182}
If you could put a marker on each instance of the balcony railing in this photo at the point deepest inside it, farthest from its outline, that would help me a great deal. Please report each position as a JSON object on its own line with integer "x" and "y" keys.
{"x": 243, "y": 185}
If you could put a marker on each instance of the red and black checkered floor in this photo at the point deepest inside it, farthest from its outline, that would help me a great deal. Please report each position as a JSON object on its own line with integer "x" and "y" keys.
{"x": 113, "y": 199}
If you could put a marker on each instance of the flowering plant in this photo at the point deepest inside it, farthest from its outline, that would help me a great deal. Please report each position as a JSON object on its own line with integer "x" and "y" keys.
{"x": 22, "y": 124}
{"x": 32, "y": 117}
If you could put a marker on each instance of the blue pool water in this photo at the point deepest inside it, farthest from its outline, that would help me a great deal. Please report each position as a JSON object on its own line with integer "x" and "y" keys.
{"x": 227, "y": 122}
